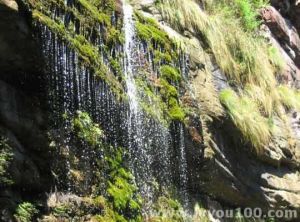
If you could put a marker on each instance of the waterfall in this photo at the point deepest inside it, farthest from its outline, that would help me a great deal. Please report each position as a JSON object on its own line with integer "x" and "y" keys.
{"x": 157, "y": 155}
{"x": 183, "y": 169}
{"x": 140, "y": 159}
{"x": 149, "y": 141}
{"x": 129, "y": 30}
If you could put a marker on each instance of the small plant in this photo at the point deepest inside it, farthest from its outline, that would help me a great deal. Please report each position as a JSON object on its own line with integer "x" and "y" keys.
{"x": 200, "y": 214}
{"x": 6, "y": 157}
{"x": 290, "y": 98}
{"x": 86, "y": 129}
{"x": 62, "y": 210}
{"x": 25, "y": 212}
{"x": 248, "y": 14}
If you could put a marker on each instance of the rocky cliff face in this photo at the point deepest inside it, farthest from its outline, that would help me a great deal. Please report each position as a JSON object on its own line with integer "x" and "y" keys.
{"x": 94, "y": 118}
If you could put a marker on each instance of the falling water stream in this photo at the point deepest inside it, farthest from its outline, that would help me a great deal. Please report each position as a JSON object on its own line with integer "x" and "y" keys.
{"x": 138, "y": 145}
{"x": 129, "y": 30}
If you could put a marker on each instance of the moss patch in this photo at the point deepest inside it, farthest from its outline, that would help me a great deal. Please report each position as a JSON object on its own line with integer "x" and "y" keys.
{"x": 121, "y": 189}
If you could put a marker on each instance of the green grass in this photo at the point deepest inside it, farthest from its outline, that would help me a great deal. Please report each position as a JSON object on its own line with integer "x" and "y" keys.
{"x": 241, "y": 56}
{"x": 289, "y": 97}
{"x": 245, "y": 114}
{"x": 227, "y": 30}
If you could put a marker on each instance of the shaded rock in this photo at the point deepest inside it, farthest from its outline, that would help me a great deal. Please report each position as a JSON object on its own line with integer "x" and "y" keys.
{"x": 20, "y": 60}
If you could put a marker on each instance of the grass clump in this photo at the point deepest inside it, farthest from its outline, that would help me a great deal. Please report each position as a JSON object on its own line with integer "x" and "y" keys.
{"x": 25, "y": 212}
{"x": 242, "y": 57}
{"x": 276, "y": 58}
{"x": 289, "y": 97}
{"x": 246, "y": 116}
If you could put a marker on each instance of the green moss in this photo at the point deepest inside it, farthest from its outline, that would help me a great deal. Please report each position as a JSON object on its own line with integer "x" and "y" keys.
{"x": 164, "y": 57}
{"x": 86, "y": 129}
{"x": 6, "y": 157}
{"x": 116, "y": 67}
{"x": 150, "y": 33}
{"x": 109, "y": 214}
{"x": 170, "y": 73}
{"x": 114, "y": 37}
{"x": 148, "y": 30}
{"x": 95, "y": 13}
{"x": 88, "y": 52}
{"x": 175, "y": 111}
{"x": 121, "y": 189}
{"x": 167, "y": 90}
{"x": 25, "y": 212}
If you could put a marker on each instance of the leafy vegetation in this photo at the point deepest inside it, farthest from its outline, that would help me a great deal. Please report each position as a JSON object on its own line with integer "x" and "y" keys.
{"x": 86, "y": 129}
{"x": 26, "y": 212}
{"x": 6, "y": 157}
